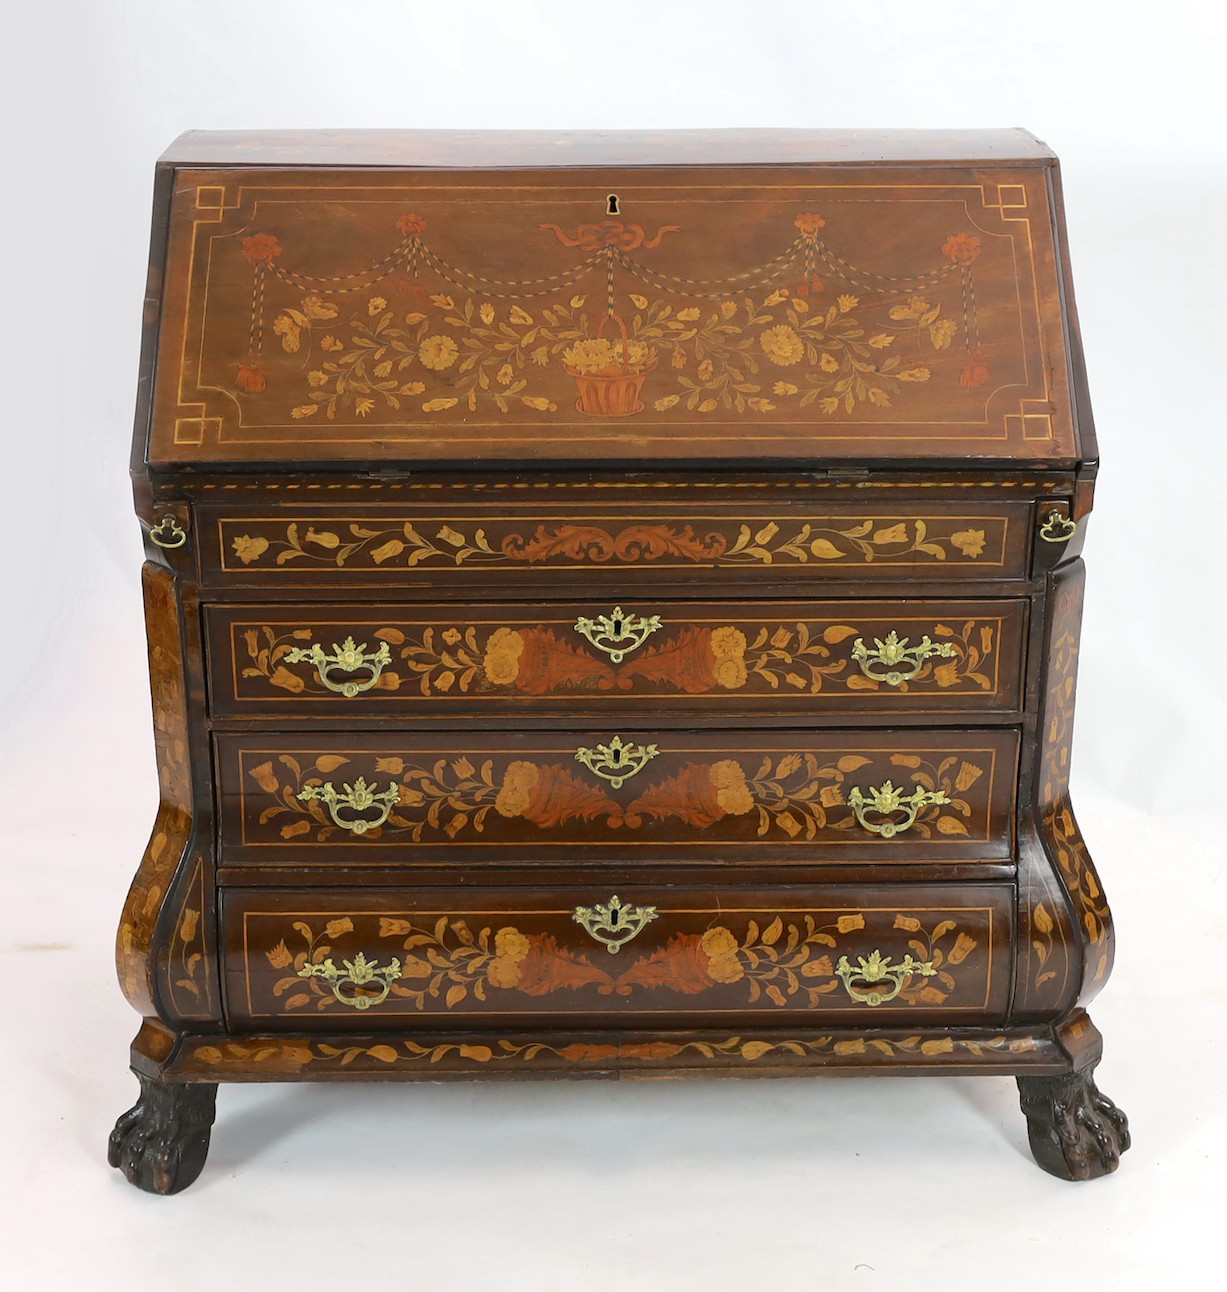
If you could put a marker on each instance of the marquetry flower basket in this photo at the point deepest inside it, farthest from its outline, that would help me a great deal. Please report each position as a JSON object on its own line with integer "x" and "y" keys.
{"x": 610, "y": 374}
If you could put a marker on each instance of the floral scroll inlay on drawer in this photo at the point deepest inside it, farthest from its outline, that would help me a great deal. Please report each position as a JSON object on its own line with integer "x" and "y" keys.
{"x": 846, "y": 540}
{"x": 472, "y": 961}
{"x": 676, "y": 790}
{"x": 941, "y": 653}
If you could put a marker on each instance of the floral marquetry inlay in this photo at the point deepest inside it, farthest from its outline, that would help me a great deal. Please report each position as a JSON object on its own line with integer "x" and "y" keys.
{"x": 777, "y": 960}
{"x": 1059, "y": 827}
{"x": 274, "y": 1055}
{"x": 791, "y": 796}
{"x": 416, "y": 332}
{"x": 766, "y": 657}
{"x": 824, "y": 307}
{"x": 714, "y": 542}
{"x": 173, "y": 824}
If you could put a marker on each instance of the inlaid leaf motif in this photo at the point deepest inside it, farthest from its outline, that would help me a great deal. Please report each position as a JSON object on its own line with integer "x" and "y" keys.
{"x": 826, "y": 550}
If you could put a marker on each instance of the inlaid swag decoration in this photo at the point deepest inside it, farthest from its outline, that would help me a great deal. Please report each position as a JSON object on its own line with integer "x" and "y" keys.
{"x": 804, "y": 329}
{"x": 791, "y": 796}
{"x": 789, "y": 959}
{"x": 456, "y": 660}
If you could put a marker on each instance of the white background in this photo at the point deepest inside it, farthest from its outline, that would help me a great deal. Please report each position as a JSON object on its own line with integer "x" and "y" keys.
{"x": 887, "y": 1184}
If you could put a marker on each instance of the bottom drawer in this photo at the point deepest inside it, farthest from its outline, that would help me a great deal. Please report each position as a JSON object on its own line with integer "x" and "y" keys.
{"x": 361, "y": 958}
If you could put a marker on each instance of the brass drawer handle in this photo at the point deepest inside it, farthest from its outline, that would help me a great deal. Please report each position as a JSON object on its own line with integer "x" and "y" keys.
{"x": 619, "y": 633}
{"x": 876, "y": 980}
{"x": 895, "y": 650}
{"x": 616, "y": 923}
{"x": 359, "y": 973}
{"x": 348, "y": 658}
{"x": 617, "y": 761}
{"x": 887, "y": 801}
{"x": 168, "y": 533}
{"x": 1057, "y": 528}
{"x": 358, "y": 797}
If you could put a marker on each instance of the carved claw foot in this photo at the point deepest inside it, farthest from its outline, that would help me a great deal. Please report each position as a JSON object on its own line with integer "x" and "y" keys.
{"x": 161, "y": 1143}
{"x": 1076, "y": 1133}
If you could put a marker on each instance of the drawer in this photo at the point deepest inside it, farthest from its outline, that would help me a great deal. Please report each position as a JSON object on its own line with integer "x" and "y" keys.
{"x": 520, "y": 547}
{"x": 358, "y": 958}
{"x": 808, "y": 659}
{"x": 581, "y": 798}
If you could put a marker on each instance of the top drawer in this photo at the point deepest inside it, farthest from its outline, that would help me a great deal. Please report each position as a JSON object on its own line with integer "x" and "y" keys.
{"x": 511, "y": 546}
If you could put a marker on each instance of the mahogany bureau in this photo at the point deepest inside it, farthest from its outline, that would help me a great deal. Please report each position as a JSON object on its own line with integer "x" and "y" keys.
{"x": 613, "y": 608}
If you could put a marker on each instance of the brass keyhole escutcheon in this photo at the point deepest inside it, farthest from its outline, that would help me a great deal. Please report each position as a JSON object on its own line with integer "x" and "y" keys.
{"x": 617, "y": 633}
{"x": 617, "y": 761}
{"x": 615, "y": 923}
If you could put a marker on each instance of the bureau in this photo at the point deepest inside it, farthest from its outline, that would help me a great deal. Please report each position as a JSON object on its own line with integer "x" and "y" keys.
{"x": 613, "y": 607}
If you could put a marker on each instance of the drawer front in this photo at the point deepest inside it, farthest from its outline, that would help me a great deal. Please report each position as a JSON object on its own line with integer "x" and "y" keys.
{"x": 803, "y": 658}
{"x": 588, "y": 797}
{"x": 357, "y": 958}
{"x": 518, "y": 547}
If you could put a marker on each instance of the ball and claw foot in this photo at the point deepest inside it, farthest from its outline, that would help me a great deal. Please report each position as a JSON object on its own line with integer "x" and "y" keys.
{"x": 1076, "y": 1133}
{"x": 161, "y": 1143}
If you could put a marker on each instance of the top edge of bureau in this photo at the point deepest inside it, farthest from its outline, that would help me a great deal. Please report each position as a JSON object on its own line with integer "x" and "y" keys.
{"x": 513, "y": 149}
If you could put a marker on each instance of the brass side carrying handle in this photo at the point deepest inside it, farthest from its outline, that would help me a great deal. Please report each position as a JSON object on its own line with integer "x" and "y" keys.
{"x": 615, "y": 923}
{"x": 168, "y": 533}
{"x": 875, "y": 980}
{"x": 360, "y": 974}
{"x": 348, "y": 657}
{"x": 358, "y": 797}
{"x": 888, "y": 802}
{"x": 1058, "y": 528}
{"x": 895, "y": 650}
{"x": 617, "y": 761}
{"x": 617, "y": 634}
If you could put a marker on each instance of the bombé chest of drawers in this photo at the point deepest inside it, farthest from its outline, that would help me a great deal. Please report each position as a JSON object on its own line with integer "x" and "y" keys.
{"x": 613, "y": 609}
